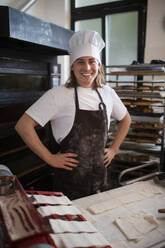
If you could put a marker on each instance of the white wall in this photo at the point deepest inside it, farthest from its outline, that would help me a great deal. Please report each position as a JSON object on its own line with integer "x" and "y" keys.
{"x": 155, "y": 32}
{"x": 37, "y": 9}
{"x": 58, "y": 12}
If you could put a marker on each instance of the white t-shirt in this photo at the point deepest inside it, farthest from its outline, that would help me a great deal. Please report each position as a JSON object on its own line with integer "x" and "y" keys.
{"x": 57, "y": 105}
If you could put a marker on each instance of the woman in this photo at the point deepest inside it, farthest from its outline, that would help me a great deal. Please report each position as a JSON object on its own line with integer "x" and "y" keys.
{"x": 80, "y": 114}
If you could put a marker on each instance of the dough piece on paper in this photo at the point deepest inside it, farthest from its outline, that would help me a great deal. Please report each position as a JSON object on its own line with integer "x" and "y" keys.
{"x": 137, "y": 225}
{"x": 51, "y": 199}
{"x": 136, "y": 192}
{"x": 151, "y": 189}
{"x": 118, "y": 192}
{"x": 131, "y": 197}
{"x": 59, "y": 210}
{"x": 104, "y": 206}
{"x": 61, "y": 226}
{"x": 69, "y": 240}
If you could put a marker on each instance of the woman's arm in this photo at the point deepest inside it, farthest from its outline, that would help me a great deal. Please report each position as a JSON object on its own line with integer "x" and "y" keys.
{"x": 26, "y": 129}
{"x": 122, "y": 131}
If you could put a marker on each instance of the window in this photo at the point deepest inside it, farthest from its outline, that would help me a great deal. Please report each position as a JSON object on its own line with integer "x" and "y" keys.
{"x": 90, "y": 24}
{"x": 121, "y": 38}
{"x": 82, "y": 3}
{"x": 121, "y": 24}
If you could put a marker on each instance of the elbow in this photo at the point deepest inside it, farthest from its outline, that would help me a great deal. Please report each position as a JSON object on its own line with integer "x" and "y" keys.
{"x": 21, "y": 124}
{"x": 17, "y": 127}
{"x": 126, "y": 121}
{"x": 129, "y": 119}
{"x": 25, "y": 125}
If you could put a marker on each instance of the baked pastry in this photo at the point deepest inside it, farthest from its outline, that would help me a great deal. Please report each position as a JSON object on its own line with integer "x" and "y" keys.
{"x": 143, "y": 139}
{"x": 132, "y": 157}
{"x": 127, "y": 101}
{"x": 141, "y": 102}
{"x": 125, "y": 87}
{"x": 146, "y": 125}
{"x": 150, "y": 87}
{"x": 144, "y": 87}
{"x": 137, "y": 139}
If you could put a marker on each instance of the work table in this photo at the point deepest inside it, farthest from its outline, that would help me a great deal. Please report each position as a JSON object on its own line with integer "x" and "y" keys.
{"x": 145, "y": 196}
{"x": 140, "y": 197}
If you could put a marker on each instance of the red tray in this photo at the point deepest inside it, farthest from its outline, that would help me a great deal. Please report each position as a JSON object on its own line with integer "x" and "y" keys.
{"x": 78, "y": 217}
{"x": 17, "y": 214}
{"x": 41, "y": 235}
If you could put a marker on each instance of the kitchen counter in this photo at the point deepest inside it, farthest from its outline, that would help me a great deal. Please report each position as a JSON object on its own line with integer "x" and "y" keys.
{"x": 152, "y": 198}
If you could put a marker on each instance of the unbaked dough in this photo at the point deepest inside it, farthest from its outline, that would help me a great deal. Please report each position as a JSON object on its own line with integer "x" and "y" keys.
{"x": 69, "y": 240}
{"x": 104, "y": 206}
{"x": 59, "y": 210}
{"x": 125, "y": 195}
{"x": 61, "y": 226}
{"x": 45, "y": 199}
{"x": 131, "y": 197}
{"x": 137, "y": 225}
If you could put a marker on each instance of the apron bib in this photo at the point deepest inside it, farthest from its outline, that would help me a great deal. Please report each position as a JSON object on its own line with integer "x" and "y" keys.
{"x": 87, "y": 139}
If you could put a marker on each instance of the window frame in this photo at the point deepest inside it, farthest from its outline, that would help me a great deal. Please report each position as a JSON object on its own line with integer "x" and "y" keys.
{"x": 101, "y": 10}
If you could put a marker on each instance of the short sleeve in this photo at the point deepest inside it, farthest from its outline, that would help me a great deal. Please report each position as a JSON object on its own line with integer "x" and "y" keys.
{"x": 118, "y": 110}
{"x": 45, "y": 108}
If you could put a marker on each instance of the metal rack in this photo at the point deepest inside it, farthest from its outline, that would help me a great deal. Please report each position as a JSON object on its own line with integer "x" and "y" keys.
{"x": 141, "y": 87}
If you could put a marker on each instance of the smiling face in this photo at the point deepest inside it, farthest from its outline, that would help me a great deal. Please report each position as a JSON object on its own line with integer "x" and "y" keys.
{"x": 85, "y": 70}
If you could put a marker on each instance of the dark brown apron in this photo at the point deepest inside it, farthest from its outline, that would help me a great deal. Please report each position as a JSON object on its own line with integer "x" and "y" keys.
{"x": 87, "y": 139}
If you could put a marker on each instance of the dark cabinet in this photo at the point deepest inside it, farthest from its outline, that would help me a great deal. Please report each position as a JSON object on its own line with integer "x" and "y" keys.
{"x": 28, "y": 67}
{"x": 21, "y": 84}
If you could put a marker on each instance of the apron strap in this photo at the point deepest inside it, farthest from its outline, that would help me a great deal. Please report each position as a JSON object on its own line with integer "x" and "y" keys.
{"x": 102, "y": 107}
{"x": 99, "y": 95}
{"x": 101, "y": 104}
{"x": 77, "y": 102}
{"x": 76, "y": 98}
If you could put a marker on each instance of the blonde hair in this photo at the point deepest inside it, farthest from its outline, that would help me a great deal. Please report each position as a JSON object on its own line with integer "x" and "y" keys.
{"x": 99, "y": 80}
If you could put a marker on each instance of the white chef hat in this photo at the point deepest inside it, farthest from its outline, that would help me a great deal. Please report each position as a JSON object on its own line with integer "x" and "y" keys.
{"x": 85, "y": 43}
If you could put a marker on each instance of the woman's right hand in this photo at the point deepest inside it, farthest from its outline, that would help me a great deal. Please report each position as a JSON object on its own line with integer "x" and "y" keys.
{"x": 65, "y": 161}
{"x": 26, "y": 129}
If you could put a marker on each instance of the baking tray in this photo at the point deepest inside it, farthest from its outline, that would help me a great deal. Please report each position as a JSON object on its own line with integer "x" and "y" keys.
{"x": 141, "y": 94}
{"x": 155, "y": 81}
{"x": 10, "y": 190}
{"x": 77, "y": 217}
{"x": 20, "y": 223}
{"x": 146, "y": 69}
{"x": 55, "y": 216}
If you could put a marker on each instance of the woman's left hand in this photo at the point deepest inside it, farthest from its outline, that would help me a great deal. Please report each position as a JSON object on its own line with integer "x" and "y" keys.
{"x": 109, "y": 154}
